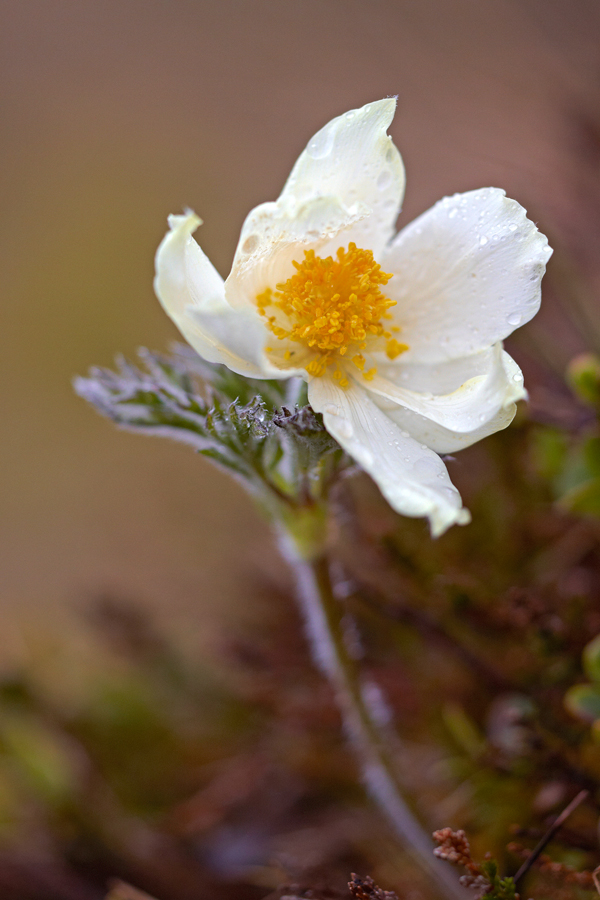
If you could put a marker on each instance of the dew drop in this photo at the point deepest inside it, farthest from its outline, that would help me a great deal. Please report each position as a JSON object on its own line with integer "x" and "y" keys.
{"x": 483, "y": 240}
{"x": 321, "y": 145}
{"x": 390, "y": 155}
{"x": 518, "y": 377}
{"x": 450, "y": 493}
{"x": 332, "y": 409}
{"x": 345, "y": 429}
{"x": 514, "y": 319}
{"x": 513, "y": 227}
{"x": 384, "y": 179}
{"x": 350, "y": 115}
{"x": 453, "y": 213}
{"x": 250, "y": 244}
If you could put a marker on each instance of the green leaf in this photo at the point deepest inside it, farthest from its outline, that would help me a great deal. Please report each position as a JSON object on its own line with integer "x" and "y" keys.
{"x": 591, "y": 659}
{"x": 549, "y": 452}
{"x": 583, "y": 499}
{"x": 583, "y": 701}
{"x": 591, "y": 454}
{"x": 254, "y": 429}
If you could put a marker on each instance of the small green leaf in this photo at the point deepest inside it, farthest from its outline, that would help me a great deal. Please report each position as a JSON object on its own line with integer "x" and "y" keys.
{"x": 591, "y": 659}
{"x": 549, "y": 452}
{"x": 583, "y": 701}
{"x": 591, "y": 454}
{"x": 583, "y": 498}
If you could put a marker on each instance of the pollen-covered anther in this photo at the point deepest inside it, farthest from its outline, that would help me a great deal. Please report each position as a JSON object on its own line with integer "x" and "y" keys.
{"x": 332, "y": 305}
{"x": 394, "y": 348}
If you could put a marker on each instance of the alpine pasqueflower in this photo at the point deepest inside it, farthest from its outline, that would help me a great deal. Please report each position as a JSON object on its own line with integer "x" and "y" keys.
{"x": 398, "y": 336}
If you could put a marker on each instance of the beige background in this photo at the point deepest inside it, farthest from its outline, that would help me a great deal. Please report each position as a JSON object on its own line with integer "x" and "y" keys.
{"x": 115, "y": 113}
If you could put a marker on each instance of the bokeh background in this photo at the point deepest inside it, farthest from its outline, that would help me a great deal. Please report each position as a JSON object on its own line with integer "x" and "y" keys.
{"x": 115, "y": 114}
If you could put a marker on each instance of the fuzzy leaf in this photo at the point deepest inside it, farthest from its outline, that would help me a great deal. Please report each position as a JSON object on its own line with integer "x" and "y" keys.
{"x": 583, "y": 701}
{"x": 255, "y": 429}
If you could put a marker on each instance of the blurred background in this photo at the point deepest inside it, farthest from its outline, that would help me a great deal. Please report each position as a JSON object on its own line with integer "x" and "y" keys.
{"x": 115, "y": 114}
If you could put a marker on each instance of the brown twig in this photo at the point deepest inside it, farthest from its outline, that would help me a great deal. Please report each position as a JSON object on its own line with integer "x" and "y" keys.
{"x": 581, "y": 796}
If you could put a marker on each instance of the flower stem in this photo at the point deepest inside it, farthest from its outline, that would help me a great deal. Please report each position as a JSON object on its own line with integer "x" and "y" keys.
{"x": 323, "y": 618}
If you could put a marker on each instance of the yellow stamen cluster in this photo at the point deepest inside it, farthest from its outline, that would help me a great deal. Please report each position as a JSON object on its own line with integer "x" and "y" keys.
{"x": 333, "y": 306}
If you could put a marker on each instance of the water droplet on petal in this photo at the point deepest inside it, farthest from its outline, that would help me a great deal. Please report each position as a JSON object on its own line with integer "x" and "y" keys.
{"x": 483, "y": 240}
{"x": 345, "y": 429}
{"x": 518, "y": 377}
{"x": 514, "y": 318}
{"x": 332, "y": 409}
{"x": 321, "y": 145}
{"x": 450, "y": 493}
{"x": 250, "y": 244}
{"x": 384, "y": 179}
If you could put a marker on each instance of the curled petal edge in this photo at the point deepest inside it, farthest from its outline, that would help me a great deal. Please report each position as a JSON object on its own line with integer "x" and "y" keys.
{"x": 411, "y": 477}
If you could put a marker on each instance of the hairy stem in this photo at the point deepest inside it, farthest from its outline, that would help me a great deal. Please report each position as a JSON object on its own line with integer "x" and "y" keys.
{"x": 323, "y": 617}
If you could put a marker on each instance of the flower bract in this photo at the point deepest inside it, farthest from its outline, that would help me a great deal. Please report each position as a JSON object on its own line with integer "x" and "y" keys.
{"x": 399, "y": 336}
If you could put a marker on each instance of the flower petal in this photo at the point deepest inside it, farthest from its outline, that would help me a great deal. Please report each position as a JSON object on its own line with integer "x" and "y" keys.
{"x": 354, "y": 159}
{"x": 412, "y": 478}
{"x": 192, "y": 293}
{"x": 466, "y": 274}
{"x": 346, "y": 186}
{"x": 434, "y": 378}
{"x": 483, "y": 404}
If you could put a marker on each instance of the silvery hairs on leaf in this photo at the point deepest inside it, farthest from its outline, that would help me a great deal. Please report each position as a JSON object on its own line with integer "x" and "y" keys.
{"x": 262, "y": 432}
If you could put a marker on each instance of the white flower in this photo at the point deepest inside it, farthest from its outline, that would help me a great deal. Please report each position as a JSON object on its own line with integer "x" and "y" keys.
{"x": 398, "y": 336}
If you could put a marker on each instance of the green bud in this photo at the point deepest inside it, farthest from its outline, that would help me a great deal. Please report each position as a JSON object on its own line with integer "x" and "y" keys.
{"x": 583, "y": 376}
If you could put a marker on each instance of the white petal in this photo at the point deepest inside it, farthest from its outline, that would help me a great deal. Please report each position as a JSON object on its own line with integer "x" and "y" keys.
{"x": 483, "y": 404}
{"x": 466, "y": 274}
{"x": 192, "y": 293}
{"x": 346, "y": 186}
{"x": 353, "y": 159}
{"x": 434, "y": 378}
{"x": 412, "y": 478}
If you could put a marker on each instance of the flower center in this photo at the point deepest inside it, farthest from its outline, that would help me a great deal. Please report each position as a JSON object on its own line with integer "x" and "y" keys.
{"x": 334, "y": 307}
